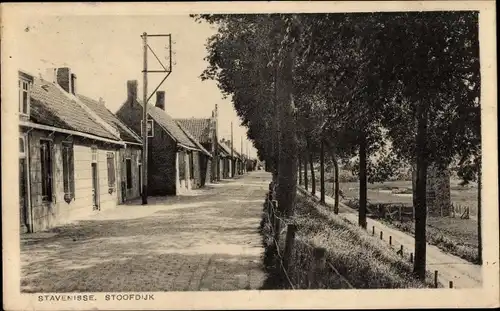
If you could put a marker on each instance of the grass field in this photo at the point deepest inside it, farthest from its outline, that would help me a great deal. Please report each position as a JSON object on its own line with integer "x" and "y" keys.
{"x": 363, "y": 261}
{"x": 454, "y": 235}
{"x": 381, "y": 193}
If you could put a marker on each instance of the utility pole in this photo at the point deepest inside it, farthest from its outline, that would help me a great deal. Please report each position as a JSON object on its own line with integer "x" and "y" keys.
{"x": 146, "y": 98}
{"x": 144, "y": 122}
{"x": 232, "y": 153}
{"x": 216, "y": 158}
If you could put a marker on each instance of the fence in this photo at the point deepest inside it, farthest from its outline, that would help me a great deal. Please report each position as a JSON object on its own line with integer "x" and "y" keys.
{"x": 399, "y": 211}
{"x": 403, "y": 253}
{"x": 301, "y": 265}
{"x": 460, "y": 211}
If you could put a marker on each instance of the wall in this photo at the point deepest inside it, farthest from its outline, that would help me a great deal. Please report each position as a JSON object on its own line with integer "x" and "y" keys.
{"x": 134, "y": 153}
{"x": 49, "y": 214}
{"x": 161, "y": 151}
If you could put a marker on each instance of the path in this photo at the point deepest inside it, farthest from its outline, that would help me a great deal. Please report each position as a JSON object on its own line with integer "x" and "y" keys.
{"x": 206, "y": 241}
{"x": 451, "y": 268}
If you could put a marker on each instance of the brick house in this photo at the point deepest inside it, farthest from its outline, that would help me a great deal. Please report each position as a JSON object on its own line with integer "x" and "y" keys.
{"x": 172, "y": 165}
{"x": 236, "y": 161}
{"x": 204, "y": 130}
{"x": 67, "y": 153}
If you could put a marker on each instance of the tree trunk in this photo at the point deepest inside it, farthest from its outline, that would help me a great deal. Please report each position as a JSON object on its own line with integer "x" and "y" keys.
{"x": 362, "y": 182}
{"x": 479, "y": 233}
{"x": 419, "y": 266}
{"x": 300, "y": 171}
{"x": 288, "y": 144}
{"x": 306, "y": 180}
{"x": 322, "y": 172}
{"x": 337, "y": 184}
{"x": 313, "y": 177}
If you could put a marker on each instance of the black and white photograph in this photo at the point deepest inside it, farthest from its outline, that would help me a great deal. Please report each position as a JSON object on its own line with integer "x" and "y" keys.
{"x": 301, "y": 154}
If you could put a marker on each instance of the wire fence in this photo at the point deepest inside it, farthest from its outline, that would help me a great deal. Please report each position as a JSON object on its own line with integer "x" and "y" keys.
{"x": 301, "y": 265}
{"x": 401, "y": 251}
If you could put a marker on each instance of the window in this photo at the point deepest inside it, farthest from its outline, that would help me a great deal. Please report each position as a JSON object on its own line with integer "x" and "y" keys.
{"x": 111, "y": 171}
{"x": 129, "y": 173}
{"x": 22, "y": 147}
{"x": 24, "y": 96}
{"x": 68, "y": 172}
{"x": 94, "y": 154}
{"x": 46, "y": 169}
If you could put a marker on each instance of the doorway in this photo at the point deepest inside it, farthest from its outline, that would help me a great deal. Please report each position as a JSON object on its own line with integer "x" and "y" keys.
{"x": 23, "y": 194}
{"x": 95, "y": 187}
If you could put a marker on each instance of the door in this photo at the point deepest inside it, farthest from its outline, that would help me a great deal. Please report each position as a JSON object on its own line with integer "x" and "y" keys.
{"x": 23, "y": 194}
{"x": 140, "y": 179}
{"x": 95, "y": 187}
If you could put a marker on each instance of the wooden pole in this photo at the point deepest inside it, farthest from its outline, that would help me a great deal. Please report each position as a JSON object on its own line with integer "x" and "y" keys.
{"x": 435, "y": 278}
{"x": 390, "y": 240}
{"x": 373, "y": 230}
{"x": 144, "y": 121}
{"x": 317, "y": 267}
{"x": 381, "y": 235}
{"x": 290, "y": 239}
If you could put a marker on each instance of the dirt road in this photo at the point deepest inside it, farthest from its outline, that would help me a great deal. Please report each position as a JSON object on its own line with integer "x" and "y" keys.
{"x": 208, "y": 240}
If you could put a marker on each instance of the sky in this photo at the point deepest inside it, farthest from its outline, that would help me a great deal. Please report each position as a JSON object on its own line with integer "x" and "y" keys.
{"x": 106, "y": 51}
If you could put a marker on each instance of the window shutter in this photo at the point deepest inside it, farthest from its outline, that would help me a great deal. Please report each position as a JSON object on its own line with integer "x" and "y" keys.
{"x": 71, "y": 172}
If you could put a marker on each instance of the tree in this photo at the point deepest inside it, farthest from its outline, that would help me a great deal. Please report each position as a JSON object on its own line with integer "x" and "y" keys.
{"x": 435, "y": 81}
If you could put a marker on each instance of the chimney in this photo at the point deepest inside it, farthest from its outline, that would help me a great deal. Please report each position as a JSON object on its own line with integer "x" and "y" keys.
{"x": 160, "y": 100}
{"x": 131, "y": 89}
{"x": 63, "y": 76}
{"x": 73, "y": 83}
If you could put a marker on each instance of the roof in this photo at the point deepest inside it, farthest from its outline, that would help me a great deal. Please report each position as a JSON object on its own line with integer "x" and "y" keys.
{"x": 170, "y": 126}
{"x": 197, "y": 143}
{"x": 51, "y": 106}
{"x": 126, "y": 133}
{"x": 198, "y": 128}
{"x": 227, "y": 149}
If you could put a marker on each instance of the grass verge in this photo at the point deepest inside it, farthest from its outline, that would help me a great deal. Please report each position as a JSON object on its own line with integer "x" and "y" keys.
{"x": 365, "y": 262}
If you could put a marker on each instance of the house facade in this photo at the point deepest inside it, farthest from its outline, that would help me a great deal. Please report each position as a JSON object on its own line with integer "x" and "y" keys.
{"x": 68, "y": 157}
{"x": 204, "y": 130}
{"x": 174, "y": 164}
{"x": 129, "y": 172}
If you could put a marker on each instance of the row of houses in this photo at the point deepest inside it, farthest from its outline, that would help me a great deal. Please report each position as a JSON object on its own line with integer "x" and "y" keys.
{"x": 76, "y": 157}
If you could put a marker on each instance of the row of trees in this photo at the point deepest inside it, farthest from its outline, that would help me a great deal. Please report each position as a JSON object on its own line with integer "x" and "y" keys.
{"x": 388, "y": 89}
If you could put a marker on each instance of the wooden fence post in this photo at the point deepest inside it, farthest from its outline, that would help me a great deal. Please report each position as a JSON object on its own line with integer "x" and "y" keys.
{"x": 451, "y": 284}
{"x": 373, "y": 230}
{"x": 411, "y": 257}
{"x": 390, "y": 240}
{"x": 318, "y": 265}
{"x": 289, "y": 242}
{"x": 277, "y": 228}
{"x": 381, "y": 234}
{"x": 401, "y": 250}
{"x": 275, "y": 223}
{"x": 435, "y": 278}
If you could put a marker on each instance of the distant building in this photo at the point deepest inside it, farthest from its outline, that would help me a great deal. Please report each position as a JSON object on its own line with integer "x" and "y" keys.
{"x": 176, "y": 161}
{"x": 69, "y": 155}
